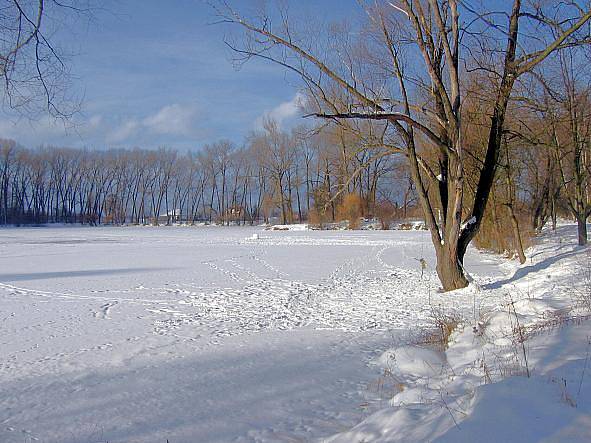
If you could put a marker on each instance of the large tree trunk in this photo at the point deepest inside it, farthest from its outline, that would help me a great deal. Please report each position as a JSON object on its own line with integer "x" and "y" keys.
{"x": 582, "y": 230}
{"x": 450, "y": 270}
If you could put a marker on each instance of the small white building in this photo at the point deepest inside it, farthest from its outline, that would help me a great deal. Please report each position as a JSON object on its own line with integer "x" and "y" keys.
{"x": 174, "y": 215}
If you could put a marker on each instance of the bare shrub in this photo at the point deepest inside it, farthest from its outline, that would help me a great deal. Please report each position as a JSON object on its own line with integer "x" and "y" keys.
{"x": 443, "y": 325}
{"x": 314, "y": 218}
{"x": 350, "y": 209}
{"x": 267, "y": 206}
{"x": 385, "y": 212}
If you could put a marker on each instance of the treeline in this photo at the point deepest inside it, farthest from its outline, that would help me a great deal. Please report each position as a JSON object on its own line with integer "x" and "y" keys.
{"x": 318, "y": 175}
{"x": 291, "y": 176}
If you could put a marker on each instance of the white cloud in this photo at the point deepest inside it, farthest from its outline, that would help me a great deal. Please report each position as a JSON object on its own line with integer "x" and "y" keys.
{"x": 287, "y": 109}
{"x": 282, "y": 112}
{"x": 46, "y": 130}
{"x": 125, "y": 131}
{"x": 172, "y": 119}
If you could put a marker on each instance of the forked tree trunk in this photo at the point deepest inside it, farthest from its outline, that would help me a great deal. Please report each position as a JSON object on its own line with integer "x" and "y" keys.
{"x": 450, "y": 269}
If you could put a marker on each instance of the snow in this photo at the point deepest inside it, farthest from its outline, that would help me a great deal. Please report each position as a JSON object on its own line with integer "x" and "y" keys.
{"x": 468, "y": 222}
{"x": 292, "y": 227}
{"x": 478, "y": 389}
{"x": 530, "y": 410}
{"x": 413, "y": 361}
{"x": 242, "y": 334}
{"x": 410, "y": 225}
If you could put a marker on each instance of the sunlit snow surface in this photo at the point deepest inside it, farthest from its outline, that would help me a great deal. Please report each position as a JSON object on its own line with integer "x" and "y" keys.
{"x": 142, "y": 334}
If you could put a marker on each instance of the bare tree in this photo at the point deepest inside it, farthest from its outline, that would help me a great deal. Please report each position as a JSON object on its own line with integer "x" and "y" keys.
{"x": 424, "y": 110}
{"x": 275, "y": 151}
{"x": 34, "y": 70}
{"x": 570, "y": 119}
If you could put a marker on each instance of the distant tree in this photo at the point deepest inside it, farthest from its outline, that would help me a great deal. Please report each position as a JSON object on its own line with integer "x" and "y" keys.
{"x": 385, "y": 212}
{"x": 275, "y": 151}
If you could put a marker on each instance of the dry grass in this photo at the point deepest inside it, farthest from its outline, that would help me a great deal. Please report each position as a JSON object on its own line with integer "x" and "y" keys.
{"x": 385, "y": 387}
{"x": 443, "y": 325}
{"x": 496, "y": 233}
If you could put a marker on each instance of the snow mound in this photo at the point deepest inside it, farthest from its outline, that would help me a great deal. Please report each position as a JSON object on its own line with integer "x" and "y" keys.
{"x": 519, "y": 403}
{"x": 413, "y": 361}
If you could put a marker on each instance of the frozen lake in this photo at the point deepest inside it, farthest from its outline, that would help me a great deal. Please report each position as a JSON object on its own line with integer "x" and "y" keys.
{"x": 141, "y": 334}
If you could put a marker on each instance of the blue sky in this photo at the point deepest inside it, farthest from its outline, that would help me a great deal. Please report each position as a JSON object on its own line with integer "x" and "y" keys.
{"x": 157, "y": 73}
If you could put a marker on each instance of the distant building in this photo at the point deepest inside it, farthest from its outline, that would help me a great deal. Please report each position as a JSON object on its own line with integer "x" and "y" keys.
{"x": 172, "y": 216}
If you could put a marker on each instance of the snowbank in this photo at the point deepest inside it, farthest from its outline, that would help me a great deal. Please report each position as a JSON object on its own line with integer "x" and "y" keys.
{"x": 518, "y": 373}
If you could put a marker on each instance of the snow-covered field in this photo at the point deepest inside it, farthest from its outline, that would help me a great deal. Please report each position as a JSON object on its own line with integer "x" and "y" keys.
{"x": 219, "y": 334}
